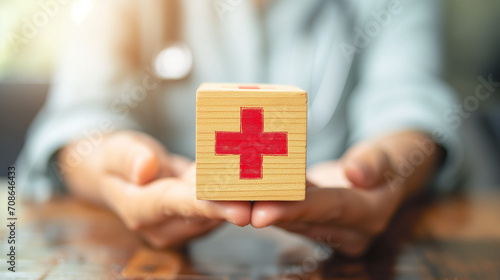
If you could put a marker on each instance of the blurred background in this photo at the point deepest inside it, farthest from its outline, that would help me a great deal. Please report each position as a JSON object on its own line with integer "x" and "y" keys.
{"x": 472, "y": 39}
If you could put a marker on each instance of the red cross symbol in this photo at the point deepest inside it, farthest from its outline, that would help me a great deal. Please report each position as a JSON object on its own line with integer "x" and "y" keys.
{"x": 251, "y": 143}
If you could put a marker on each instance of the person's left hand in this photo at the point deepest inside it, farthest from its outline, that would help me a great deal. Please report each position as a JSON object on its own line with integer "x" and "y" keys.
{"x": 351, "y": 201}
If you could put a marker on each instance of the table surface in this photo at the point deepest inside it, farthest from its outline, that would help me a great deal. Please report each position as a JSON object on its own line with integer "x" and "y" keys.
{"x": 456, "y": 237}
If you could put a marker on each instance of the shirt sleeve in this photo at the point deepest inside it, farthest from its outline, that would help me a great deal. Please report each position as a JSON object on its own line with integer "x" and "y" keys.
{"x": 91, "y": 94}
{"x": 400, "y": 87}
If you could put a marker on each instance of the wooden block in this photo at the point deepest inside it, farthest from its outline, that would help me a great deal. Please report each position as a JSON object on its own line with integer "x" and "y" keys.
{"x": 250, "y": 142}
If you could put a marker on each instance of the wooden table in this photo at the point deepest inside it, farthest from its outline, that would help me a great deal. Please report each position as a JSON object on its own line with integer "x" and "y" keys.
{"x": 457, "y": 237}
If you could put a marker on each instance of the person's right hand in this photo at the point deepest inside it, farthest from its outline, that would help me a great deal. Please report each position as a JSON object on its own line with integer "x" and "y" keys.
{"x": 153, "y": 192}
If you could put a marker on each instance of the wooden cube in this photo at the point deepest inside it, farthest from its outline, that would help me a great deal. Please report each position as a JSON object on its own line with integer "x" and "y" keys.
{"x": 250, "y": 142}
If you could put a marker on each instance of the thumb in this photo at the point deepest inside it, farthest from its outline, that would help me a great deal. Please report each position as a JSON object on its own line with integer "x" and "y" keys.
{"x": 365, "y": 164}
{"x": 136, "y": 157}
{"x": 189, "y": 173}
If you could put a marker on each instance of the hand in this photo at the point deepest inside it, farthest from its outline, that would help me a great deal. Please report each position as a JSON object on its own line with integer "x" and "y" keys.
{"x": 349, "y": 202}
{"x": 151, "y": 191}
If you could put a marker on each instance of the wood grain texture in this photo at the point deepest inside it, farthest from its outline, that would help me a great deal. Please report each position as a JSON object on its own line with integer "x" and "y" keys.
{"x": 445, "y": 237}
{"x": 218, "y": 108}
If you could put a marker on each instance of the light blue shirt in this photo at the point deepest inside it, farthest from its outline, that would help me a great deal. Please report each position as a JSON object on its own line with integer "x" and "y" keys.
{"x": 369, "y": 67}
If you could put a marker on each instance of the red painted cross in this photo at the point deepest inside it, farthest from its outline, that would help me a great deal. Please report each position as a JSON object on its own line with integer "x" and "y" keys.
{"x": 251, "y": 143}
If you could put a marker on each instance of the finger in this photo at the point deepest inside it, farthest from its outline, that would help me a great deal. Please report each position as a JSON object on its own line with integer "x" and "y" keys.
{"x": 365, "y": 165}
{"x": 181, "y": 200}
{"x": 190, "y": 173}
{"x": 167, "y": 198}
{"x": 328, "y": 174}
{"x": 136, "y": 206}
{"x": 368, "y": 211}
{"x": 135, "y": 157}
{"x": 180, "y": 164}
{"x": 177, "y": 232}
{"x": 345, "y": 240}
{"x": 339, "y": 206}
